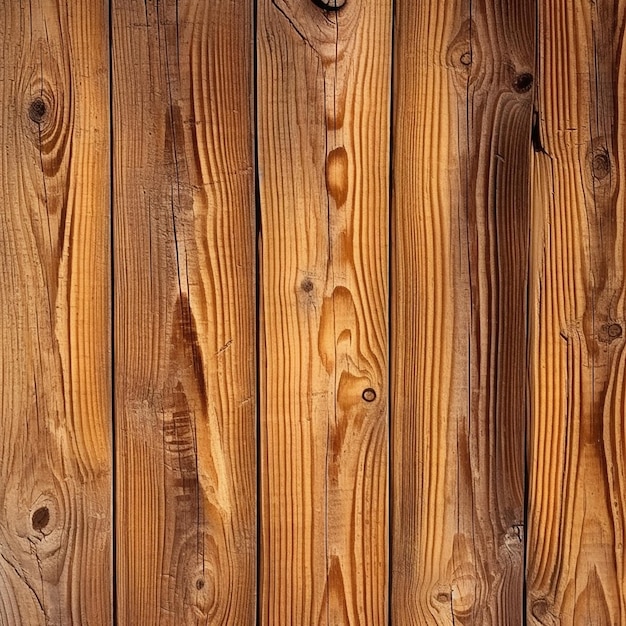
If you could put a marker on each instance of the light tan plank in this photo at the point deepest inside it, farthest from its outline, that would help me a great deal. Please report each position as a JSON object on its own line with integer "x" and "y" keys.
{"x": 460, "y": 222}
{"x": 577, "y": 490}
{"x": 323, "y": 126}
{"x": 184, "y": 317}
{"x": 55, "y": 409}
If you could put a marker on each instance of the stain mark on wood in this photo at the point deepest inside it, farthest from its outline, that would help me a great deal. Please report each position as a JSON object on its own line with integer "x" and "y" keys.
{"x": 337, "y": 175}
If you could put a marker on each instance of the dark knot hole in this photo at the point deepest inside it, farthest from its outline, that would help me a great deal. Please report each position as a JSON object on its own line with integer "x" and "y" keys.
{"x": 330, "y": 5}
{"x": 523, "y": 82}
{"x": 369, "y": 395}
{"x": 41, "y": 518}
{"x": 37, "y": 110}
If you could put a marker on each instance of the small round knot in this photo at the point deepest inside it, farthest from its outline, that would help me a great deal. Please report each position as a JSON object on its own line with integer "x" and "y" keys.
{"x": 369, "y": 395}
{"x": 443, "y": 597}
{"x": 37, "y": 110}
{"x": 540, "y": 608}
{"x": 40, "y": 518}
{"x": 523, "y": 82}
{"x": 199, "y": 583}
{"x": 307, "y": 285}
{"x": 466, "y": 58}
{"x": 614, "y": 331}
{"x": 600, "y": 165}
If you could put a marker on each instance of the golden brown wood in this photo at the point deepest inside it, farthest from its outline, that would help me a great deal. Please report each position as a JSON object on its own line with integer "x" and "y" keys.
{"x": 462, "y": 115}
{"x": 323, "y": 129}
{"x": 55, "y": 409}
{"x": 184, "y": 316}
{"x": 577, "y": 490}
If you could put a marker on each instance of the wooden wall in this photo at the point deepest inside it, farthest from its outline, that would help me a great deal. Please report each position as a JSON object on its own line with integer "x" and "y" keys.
{"x": 312, "y": 312}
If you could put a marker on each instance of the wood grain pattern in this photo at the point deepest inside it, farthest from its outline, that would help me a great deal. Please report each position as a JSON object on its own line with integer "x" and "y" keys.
{"x": 503, "y": 363}
{"x": 55, "y": 409}
{"x": 577, "y": 490}
{"x": 462, "y": 119}
{"x": 323, "y": 129}
{"x": 184, "y": 316}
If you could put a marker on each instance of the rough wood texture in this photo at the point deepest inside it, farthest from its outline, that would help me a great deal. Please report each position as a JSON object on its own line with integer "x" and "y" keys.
{"x": 462, "y": 119}
{"x": 323, "y": 128}
{"x": 184, "y": 316}
{"x": 507, "y": 300}
{"x": 55, "y": 409}
{"x": 577, "y": 490}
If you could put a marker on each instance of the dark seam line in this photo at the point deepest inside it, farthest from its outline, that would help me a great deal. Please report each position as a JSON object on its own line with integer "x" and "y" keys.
{"x": 390, "y": 431}
{"x": 114, "y": 551}
{"x": 257, "y": 308}
{"x": 527, "y": 399}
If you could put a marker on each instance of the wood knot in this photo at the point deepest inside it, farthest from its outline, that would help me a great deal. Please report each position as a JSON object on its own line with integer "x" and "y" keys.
{"x": 600, "y": 165}
{"x": 443, "y": 597}
{"x": 466, "y": 59}
{"x": 199, "y": 583}
{"x": 369, "y": 395}
{"x": 330, "y": 5}
{"x": 307, "y": 285}
{"x": 540, "y": 608}
{"x": 523, "y": 82}
{"x": 463, "y": 55}
{"x": 40, "y": 518}
{"x": 608, "y": 333}
{"x": 614, "y": 331}
{"x": 37, "y": 110}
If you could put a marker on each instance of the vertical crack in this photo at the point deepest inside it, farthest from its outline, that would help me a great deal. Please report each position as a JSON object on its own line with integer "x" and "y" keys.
{"x": 114, "y": 512}
{"x": 388, "y": 604}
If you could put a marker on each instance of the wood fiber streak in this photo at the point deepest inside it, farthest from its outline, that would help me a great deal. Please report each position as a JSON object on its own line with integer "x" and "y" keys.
{"x": 577, "y": 487}
{"x": 184, "y": 315}
{"x": 460, "y": 221}
{"x": 323, "y": 130}
{"x": 55, "y": 409}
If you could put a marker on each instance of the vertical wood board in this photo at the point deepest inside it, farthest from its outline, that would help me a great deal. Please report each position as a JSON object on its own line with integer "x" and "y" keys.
{"x": 577, "y": 482}
{"x": 323, "y": 88}
{"x": 463, "y": 78}
{"x": 184, "y": 316}
{"x": 55, "y": 409}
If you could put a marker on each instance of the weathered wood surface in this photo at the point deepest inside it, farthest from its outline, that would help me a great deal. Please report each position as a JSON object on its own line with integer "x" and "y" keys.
{"x": 460, "y": 463}
{"x": 323, "y": 130}
{"x": 577, "y": 486}
{"x": 184, "y": 314}
{"x": 55, "y": 409}
{"x": 460, "y": 218}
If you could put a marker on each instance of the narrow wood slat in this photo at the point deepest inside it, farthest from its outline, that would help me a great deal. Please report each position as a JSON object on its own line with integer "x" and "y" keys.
{"x": 184, "y": 314}
{"x": 460, "y": 222}
{"x": 55, "y": 409}
{"x": 577, "y": 490}
{"x": 323, "y": 130}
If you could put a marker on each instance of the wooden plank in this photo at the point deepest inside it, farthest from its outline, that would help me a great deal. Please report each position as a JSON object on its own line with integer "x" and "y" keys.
{"x": 323, "y": 130}
{"x": 184, "y": 315}
{"x": 577, "y": 492}
{"x": 55, "y": 409}
{"x": 460, "y": 222}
